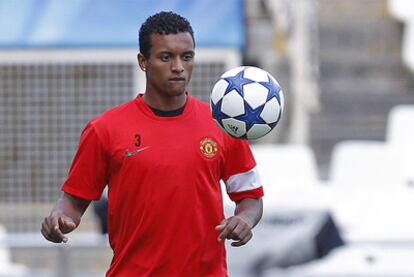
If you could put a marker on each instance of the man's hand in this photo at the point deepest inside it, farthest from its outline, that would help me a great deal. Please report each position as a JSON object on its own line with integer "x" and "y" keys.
{"x": 55, "y": 226}
{"x": 235, "y": 228}
{"x": 64, "y": 218}
{"x": 239, "y": 227}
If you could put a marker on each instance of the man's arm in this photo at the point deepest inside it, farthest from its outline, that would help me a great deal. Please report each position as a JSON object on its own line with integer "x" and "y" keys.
{"x": 239, "y": 227}
{"x": 64, "y": 217}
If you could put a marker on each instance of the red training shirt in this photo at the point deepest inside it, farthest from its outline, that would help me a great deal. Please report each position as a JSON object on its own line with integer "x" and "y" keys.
{"x": 164, "y": 195}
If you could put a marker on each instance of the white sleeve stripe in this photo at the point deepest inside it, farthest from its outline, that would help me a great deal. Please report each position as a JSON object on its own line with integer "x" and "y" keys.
{"x": 244, "y": 181}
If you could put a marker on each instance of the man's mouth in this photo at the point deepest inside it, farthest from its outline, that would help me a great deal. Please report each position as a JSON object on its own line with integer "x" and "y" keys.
{"x": 177, "y": 79}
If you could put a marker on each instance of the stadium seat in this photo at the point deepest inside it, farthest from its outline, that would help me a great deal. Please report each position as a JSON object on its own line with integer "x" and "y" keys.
{"x": 400, "y": 137}
{"x": 400, "y": 125}
{"x": 289, "y": 176}
{"x": 285, "y": 170}
{"x": 286, "y": 165}
{"x": 7, "y": 268}
{"x": 371, "y": 201}
{"x": 357, "y": 260}
{"x": 358, "y": 163}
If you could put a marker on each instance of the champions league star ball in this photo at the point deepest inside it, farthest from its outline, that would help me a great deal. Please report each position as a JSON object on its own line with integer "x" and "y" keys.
{"x": 247, "y": 102}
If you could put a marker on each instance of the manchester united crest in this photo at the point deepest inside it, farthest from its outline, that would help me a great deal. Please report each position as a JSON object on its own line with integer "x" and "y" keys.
{"x": 208, "y": 147}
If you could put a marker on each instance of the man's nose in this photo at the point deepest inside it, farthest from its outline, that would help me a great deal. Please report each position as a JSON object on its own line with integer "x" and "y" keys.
{"x": 177, "y": 65}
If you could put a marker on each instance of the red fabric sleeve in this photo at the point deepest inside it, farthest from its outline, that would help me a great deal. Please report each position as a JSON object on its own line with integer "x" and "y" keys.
{"x": 88, "y": 174}
{"x": 238, "y": 157}
{"x": 253, "y": 193}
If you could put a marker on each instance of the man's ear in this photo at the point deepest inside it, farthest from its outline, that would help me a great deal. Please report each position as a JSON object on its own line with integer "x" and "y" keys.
{"x": 142, "y": 62}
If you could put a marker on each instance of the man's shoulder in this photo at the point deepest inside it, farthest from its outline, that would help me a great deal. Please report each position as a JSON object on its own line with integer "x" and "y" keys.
{"x": 201, "y": 105}
{"x": 114, "y": 114}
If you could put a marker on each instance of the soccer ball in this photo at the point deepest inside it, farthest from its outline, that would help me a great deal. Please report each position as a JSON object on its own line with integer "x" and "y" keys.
{"x": 247, "y": 102}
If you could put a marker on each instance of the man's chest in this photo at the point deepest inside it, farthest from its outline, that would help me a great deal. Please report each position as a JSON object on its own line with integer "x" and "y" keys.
{"x": 167, "y": 146}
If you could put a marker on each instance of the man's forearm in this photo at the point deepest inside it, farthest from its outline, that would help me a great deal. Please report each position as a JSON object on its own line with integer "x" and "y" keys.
{"x": 250, "y": 210}
{"x": 71, "y": 206}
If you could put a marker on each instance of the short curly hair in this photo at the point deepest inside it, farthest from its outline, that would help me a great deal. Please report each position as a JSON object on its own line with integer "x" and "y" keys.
{"x": 162, "y": 23}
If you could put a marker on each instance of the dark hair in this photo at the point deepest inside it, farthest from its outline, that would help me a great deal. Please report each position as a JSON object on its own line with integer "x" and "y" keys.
{"x": 162, "y": 23}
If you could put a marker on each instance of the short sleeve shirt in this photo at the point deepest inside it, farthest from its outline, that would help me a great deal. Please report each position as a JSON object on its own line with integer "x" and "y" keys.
{"x": 163, "y": 176}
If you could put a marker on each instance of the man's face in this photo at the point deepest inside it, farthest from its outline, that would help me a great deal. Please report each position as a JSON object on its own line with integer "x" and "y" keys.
{"x": 169, "y": 67}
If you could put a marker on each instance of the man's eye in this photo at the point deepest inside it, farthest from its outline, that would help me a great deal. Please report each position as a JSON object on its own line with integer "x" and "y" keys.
{"x": 188, "y": 57}
{"x": 165, "y": 58}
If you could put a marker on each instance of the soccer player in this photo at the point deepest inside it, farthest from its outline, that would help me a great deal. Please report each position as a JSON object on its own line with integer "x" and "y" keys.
{"x": 162, "y": 157}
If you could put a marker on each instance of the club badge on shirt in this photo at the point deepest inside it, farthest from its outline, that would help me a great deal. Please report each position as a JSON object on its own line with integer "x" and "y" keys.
{"x": 208, "y": 147}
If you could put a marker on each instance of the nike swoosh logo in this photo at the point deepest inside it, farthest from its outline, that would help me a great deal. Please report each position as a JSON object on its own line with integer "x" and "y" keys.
{"x": 132, "y": 153}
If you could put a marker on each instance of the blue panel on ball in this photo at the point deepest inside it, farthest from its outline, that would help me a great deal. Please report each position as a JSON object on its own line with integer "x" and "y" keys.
{"x": 272, "y": 125}
{"x": 273, "y": 88}
{"x": 237, "y": 82}
{"x": 217, "y": 113}
{"x": 251, "y": 116}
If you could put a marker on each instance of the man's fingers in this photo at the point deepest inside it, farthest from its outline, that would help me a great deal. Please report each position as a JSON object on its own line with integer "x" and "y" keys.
{"x": 222, "y": 225}
{"x": 59, "y": 234}
{"x": 48, "y": 231}
{"x": 66, "y": 225}
{"x": 243, "y": 241}
{"x": 55, "y": 233}
{"x": 52, "y": 222}
{"x": 45, "y": 234}
{"x": 239, "y": 232}
{"x": 58, "y": 230}
{"x": 70, "y": 225}
{"x": 45, "y": 226}
{"x": 49, "y": 234}
{"x": 49, "y": 237}
{"x": 227, "y": 230}
{"x": 54, "y": 228}
{"x": 238, "y": 243}
{"x": 45, "y": 230}
{"x": 235, "y": 229}
{"x": 245, "y": 233}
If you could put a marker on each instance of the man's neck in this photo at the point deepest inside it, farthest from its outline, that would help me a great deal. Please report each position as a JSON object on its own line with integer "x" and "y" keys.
{"x": 165, "y": 103}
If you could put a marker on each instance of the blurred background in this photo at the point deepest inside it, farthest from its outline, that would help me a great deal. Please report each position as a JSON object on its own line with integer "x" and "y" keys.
{"x": 338, "y": 170}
